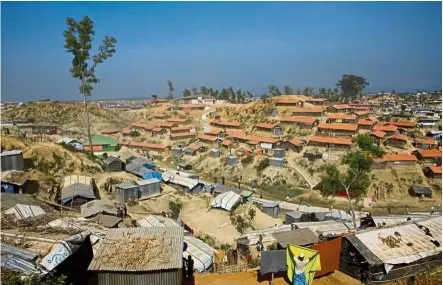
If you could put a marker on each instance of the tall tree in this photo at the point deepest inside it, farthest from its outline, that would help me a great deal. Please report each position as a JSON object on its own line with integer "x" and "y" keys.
{"x": 194, "y": 91}
{"x": 231, "y": 94}
{"x": 187, "y": 93}
{"x": 299, "y": 91}
{"x": 322, "y": 92}
{"x": 288, "y": 90}
{"x": 354, "y": 182}
{"x": 224, "y": 95}
{"x": 351, "y": 86}
{"x": 239, "y": 96}
{"x": 250, "y": 95}
{"x": 329, "y": 93}
{"x": 216, "y": 94}
{"x": 306, "y": 91}
{"x": 274, "y": 91}
{"x": 204, "y": 90}
{"x": 170, "y": 90}
{"x": 78, "y": 41}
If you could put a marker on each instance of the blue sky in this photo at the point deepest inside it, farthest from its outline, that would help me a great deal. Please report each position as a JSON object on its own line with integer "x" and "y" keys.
{"x": 247, "y": 45}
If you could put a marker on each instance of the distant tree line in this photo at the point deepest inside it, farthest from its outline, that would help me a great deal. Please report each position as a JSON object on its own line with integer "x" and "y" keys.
{"x": 348, "y": 88}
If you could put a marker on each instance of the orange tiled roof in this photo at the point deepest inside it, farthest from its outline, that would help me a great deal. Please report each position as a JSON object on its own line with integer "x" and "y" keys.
{"x": 225, "y": 123}
{"x": 364, "y": 122}
{"x": 364, "y": 112}
{"x": 305, "y": 120}
{"x": 341, "y": 116}
{"x": 397, "y": 157}
{"x": 262, "y": 139}
{"x": 157, "y": 129}
{"x": 429, "y": 152}
{"x": 308, "y": 110}
{"x": 316, "y": 100}
{"x": 266, "y": 125}
{"x": 403, "y": 124}
{"x": 148, "y": 145}
{"x": 425, "y": 141}
{"x": 143, "y": 125}
{"x": 389, "y": 128}
{"x": 194, "y": 146}
{"x": 176, "y": 120}
{"x": 398, "y": 137}
{"x": 435, "y": 169}
{"x": 167, "y": 124}
{"x": 207, "y": 138}
{"x": 180, "y": 128}
{"x": 182, "y": 135}
{"x": 332, "y": 140}
{"x": 338, "y": 126}
{"x": 227, "y": 142}
{"x": 379, "y": 134}
{"x": 288, "y": 101}
{"x": 296, "y": 142}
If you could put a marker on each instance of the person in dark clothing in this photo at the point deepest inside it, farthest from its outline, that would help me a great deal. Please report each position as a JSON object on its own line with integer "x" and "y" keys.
{"x": 119, "y": 213}
{"x": 190, "y": 266}
{"x": 184, "y": 267}
{"x": 223, "y": 180}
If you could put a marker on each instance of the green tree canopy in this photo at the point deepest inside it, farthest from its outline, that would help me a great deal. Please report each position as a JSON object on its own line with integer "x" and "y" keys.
{"x": 273, "y": 90}
{"x": 288, "y": 90}
{"x": 351, "y": 86}
{"x": 170, "y": 90}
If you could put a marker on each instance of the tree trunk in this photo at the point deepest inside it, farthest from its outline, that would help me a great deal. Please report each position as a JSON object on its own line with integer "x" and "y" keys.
{"x": 351, "y": 209}
{"x": 88, "y": 126}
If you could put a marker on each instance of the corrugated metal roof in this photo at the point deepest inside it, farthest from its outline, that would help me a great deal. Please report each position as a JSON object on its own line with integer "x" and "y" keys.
{"x": 253, "y": 237}
{"x": 77, "y": 190}
{"x": 301, "y": 237}
{"x": 227, "y": 200}
{"x": 420, "y": 243}
{"x": 107, "y": 220}
{"x": 170, "y": 176}
{"x": 156, "y": 221}
{"x": 201, "y": 252}
{"x": 15, "y": 258}
{"x": 11, "y": 152}
{"x": 99, "y": 206}
{"x": 325, "y": 228}
{"x": 140, "y": 250}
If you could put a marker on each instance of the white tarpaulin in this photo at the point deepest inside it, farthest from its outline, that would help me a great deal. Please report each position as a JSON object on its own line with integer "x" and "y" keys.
{"x": 21, "y": 211}
{"x": 201, "y": 252}
{"x": 266, "y": 145}
{"x": 227, "y": 200}
{"x": 59, "y": 253}
{"x": 421, "y": 243}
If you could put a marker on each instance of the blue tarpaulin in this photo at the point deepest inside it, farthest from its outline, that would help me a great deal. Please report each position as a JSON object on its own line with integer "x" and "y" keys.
{"x": 152, "y": 174}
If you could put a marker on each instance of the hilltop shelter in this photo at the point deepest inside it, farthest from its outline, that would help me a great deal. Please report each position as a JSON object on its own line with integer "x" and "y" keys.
{"x": 12, "y": 160}
{"x": 124, "y": 192}
{"x": 113, "y": 164}
{"x": 271, "y": 209}
{"x": 102, "y": 143}
{"x": 155, "y": 255}
{"x": 13, "y": 181}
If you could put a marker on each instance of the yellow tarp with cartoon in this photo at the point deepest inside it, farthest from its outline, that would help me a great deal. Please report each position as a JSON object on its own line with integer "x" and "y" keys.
{"x": 311, "y": 267}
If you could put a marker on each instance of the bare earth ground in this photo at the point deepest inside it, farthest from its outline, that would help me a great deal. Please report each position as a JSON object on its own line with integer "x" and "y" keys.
{"x": 250, "y": 278}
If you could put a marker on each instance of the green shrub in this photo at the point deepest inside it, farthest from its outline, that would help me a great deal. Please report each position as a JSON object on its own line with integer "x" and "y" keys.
{"x": 247, "y": 160}
{"x": 263, "y": 164}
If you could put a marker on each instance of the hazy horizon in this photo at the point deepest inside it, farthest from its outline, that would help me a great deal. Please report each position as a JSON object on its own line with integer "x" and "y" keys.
{"x": 247, "y": 45}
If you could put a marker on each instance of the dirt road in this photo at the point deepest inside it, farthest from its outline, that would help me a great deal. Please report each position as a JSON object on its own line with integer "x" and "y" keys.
{"x": 251, "y": 278}
{"x": 310, "y": 179}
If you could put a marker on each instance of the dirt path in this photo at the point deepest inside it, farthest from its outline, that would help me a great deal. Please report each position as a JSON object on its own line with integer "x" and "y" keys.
{"x": 310, "y": 179}
{"x": 251, "y": 278}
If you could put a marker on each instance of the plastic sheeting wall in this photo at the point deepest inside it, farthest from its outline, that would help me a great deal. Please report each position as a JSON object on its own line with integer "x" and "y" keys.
{"x": 123, "y": 194}
{"x": 147, "y": 190}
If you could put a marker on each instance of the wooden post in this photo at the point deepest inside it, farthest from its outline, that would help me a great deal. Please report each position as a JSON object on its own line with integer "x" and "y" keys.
{"x": 272, "y": 278}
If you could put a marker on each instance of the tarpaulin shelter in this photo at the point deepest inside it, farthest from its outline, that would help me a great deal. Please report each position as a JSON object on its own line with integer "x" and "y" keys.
{"x": 330, "y": 256}
{"x": 310, "y": 269}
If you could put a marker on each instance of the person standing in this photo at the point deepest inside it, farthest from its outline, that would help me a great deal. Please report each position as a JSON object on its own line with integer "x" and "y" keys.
{"x": 184, "y": 267}
{"x": 300, "y": 263}
{"x": 190, "y": 266}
